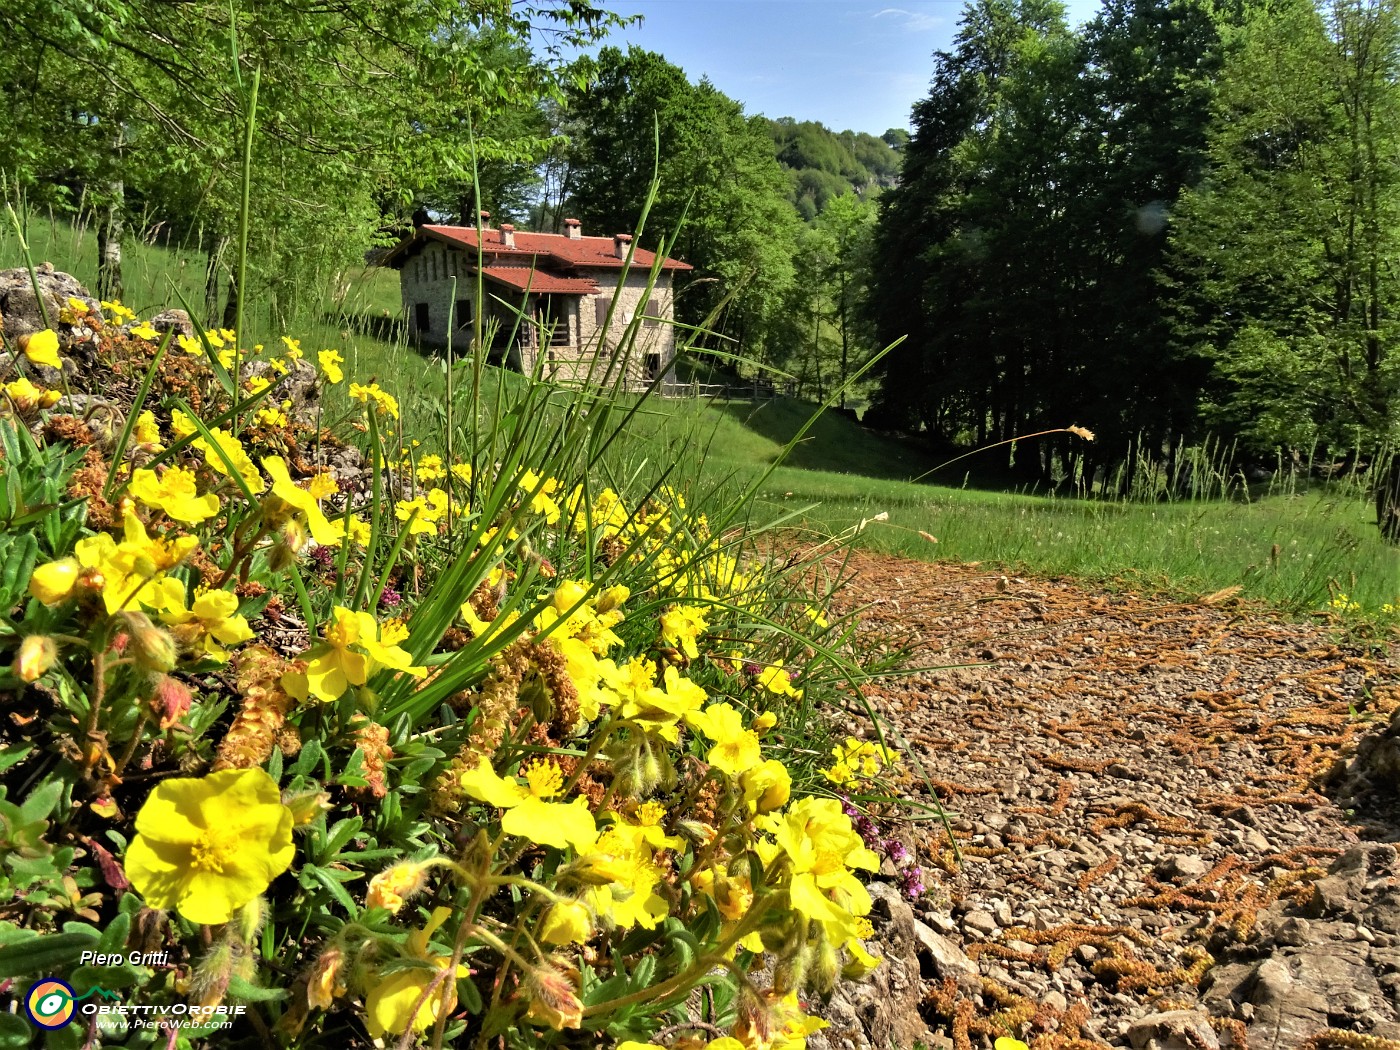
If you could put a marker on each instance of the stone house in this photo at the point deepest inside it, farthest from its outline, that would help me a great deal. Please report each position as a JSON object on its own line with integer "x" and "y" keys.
{"x": 548, "y": 297}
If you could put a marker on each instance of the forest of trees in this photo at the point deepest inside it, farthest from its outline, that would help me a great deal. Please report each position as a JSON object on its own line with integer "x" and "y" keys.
{"x": 132, "y": 115}
{"x": 126, "y": 109}
{"x": 1180, "y": 220}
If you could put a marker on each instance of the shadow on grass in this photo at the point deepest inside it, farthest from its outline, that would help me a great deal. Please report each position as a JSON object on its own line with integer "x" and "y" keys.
{"x": 835, "y": 442}
{"x": 384, "y": 327}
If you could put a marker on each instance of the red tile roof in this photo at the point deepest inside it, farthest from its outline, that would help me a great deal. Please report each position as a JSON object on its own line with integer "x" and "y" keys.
{"x": 551, "y": 250}
{"x": 539, "y": 281}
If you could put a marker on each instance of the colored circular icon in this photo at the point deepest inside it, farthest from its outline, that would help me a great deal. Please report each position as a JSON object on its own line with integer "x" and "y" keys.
{"x": 49, "y": 1004}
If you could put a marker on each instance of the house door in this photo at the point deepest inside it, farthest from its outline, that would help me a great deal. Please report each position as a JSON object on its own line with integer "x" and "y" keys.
{"x": 554, "y": 314}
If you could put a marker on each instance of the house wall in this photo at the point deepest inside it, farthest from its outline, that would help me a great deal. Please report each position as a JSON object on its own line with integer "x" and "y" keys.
{"x": 584, "y": 365}
{"x": 427, "y": 280}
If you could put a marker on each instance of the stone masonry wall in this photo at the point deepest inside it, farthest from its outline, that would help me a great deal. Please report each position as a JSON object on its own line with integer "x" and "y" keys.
{"x": 427, "y": 280}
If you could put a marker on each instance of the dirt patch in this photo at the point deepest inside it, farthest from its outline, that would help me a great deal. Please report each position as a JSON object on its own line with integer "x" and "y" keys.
{"x": 1135, "y": 789}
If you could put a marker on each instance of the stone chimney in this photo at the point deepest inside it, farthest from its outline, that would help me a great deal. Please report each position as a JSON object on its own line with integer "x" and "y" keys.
{"x": 508, "y": 235}
{"x": 621, "y": 242}
{"x": 485, "y": 218}
{"x": 573, "y": 229}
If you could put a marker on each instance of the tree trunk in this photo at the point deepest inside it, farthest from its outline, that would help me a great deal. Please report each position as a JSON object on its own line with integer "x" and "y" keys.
{"x": 111, "y": 225}
{"x": 231, "y": 303}
{"x": 211, "y": 279}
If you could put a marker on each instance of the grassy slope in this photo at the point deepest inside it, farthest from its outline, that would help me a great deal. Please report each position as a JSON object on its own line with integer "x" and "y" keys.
{"x": 841, "y": 474}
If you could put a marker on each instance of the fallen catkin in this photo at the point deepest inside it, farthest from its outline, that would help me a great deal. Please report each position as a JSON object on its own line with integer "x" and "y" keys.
{"x": 259, "y": 722}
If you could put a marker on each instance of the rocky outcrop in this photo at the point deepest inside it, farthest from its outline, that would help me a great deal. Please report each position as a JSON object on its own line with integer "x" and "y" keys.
{"x": 881, "y": 1010}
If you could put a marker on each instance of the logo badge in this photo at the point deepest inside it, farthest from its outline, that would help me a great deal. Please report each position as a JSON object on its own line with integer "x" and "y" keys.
{"x": 49, "y": 1004}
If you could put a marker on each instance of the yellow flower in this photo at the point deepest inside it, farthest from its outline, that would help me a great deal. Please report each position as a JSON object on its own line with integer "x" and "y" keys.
{"x": 293, "y": 347}
{"x": 485, "y": 785}
{"x": 257, "y": 384}
{"x": 298, "y": 502}
{"x": 358, "y": 530}
{"x": 556, "y": 824}
{"x": 385, "y": 404}
{"x": 211, "y": 620}
{"x": 119, "y": 312}
{"x": 330, "y": 364}
{"x": 822, "y": 848}
{"x": 271, "y": 417}
{"x": 147, "y": 433}
{"x": 424, "y": 519}
{"x": 206, "y": 847}
{"x": 390, "y": 1001}
{"x": 566, "y": 922}
{"x": 144, "y": 331}
{"x": 189, "y": 345}
{"x": 777, "y": 680}
{"x": 334, "y": 666}
{"x": 681, "y": 625}
{"x": 42, "y": 349}
{"x": 1005, "y": 1042}
{"x": 736, "y": 748}
{"x": 26, "y": 397}
{"x": 174, "y": 493}
{"x": 232, "y": 450}
{"x": 767, "y": 786}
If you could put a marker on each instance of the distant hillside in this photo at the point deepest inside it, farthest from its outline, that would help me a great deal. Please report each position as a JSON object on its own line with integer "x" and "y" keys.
{"x": 823, "y": 163}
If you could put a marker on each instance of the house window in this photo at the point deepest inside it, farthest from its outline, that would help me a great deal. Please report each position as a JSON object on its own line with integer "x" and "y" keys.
{"x": 601, "y": 305}
{"x": 650, "y": 322}
{"x": 653, "y": 366}
{"x": 420, "y": 317}
{"x": 463, "y": 312}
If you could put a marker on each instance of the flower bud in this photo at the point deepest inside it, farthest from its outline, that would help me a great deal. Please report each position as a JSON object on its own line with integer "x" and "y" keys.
{"x": 306, "y": 806}
{"x": 37, "y": 653}
{"x": 209, "y": 981}
{"x": 250, "y": 919}
{"x": 171, "y": 701}
{"x": 394, "y": 885}
{"x": 821, "y": 977}
{"x": 324, "y": 983}
{"x": 151, "y": 647}
{"x": 552, "y": 991}
{"x": 611, "y": 597}
{"x": 566, "y": 922}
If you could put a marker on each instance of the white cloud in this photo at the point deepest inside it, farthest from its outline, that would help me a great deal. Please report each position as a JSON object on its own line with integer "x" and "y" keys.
{"x": 911, "y": 21}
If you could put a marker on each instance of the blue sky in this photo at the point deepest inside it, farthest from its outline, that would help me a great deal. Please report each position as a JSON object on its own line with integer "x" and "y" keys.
{"x": 858, "y": 64}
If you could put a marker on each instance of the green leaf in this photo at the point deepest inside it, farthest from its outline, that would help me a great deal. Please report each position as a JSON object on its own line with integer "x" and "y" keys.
{"x": 15, "y": 1032}
{"x": 40, "y": 802}
{"x": 243, "y": 990}
{"x": 47, "y": 953}
{"x": 336, "y": 890}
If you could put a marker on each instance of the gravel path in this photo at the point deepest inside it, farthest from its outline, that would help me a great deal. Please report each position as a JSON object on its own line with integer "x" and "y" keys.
{"x": 1137, "y": 793}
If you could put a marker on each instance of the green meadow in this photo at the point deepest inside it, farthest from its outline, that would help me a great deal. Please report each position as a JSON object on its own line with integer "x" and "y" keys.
{"x": 1295, "y": 542}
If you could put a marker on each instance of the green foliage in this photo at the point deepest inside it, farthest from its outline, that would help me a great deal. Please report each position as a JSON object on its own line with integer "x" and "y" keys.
{"x": 363, "y": 109}
{"x": 824, "y": 164}
{"x": 1298, "y": 317}
{"x": 720, "y": 191}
